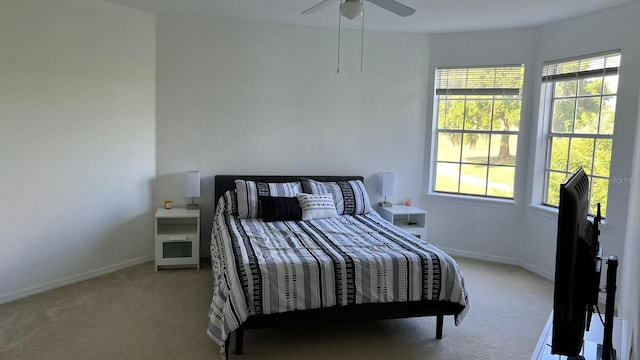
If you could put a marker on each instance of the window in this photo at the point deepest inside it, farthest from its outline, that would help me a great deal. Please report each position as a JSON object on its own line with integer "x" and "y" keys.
{"x": 478, "y": 121}
{"x": 578, "y": 100}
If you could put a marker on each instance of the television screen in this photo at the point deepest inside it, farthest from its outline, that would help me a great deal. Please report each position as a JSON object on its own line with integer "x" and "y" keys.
{"x": 577, "y": 274}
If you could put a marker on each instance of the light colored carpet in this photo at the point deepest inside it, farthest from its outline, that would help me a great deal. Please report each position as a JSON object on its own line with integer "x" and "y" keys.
{"x": 138, "y": 313}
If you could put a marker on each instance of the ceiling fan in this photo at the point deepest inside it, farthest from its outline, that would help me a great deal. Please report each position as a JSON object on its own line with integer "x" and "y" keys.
{"x": 354, "y": 8}
{"x": 351, "y": 9}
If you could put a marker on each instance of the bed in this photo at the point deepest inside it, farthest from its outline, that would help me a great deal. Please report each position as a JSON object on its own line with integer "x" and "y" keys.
{"x": 343, "y": 262}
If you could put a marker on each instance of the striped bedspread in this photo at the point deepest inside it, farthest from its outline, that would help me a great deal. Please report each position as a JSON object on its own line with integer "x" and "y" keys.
{"x": 264, "y": 268}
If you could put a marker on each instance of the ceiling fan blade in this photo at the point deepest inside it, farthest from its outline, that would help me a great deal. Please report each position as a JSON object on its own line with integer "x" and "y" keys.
{"x": 318, "y": 6}
{"x": 394, "y": 6}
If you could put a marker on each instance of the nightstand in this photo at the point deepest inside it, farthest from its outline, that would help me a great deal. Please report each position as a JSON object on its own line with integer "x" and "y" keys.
{"x": 177, "y": 237}
{"x": 409, "y": 218}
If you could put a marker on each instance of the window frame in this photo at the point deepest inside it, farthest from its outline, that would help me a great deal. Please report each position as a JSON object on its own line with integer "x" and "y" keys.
{"x": 494, "y": 95}
{"x": 546, "y": 108}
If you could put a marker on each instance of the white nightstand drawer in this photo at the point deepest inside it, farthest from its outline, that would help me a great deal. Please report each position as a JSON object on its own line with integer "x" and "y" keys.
{"x": 177, "y": 246}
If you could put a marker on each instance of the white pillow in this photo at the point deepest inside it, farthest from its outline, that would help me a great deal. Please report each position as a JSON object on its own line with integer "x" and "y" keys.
{"x": 317, "y": 206}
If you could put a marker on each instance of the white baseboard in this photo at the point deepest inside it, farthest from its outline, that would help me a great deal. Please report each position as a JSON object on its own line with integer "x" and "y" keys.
{"x": 499, "y": 259}
{"x": 5, "y": 298}
{"x": 538, "y": 271}
{"x": 478, "y": 256}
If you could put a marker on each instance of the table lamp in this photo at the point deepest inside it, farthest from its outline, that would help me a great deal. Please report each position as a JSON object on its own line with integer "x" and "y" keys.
{"x": 192, "y": 187}
{"x": 385, "y": 187}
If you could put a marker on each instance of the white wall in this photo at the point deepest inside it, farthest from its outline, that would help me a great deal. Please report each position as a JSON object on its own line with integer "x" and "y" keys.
{"x": 631, "y": 290}
{"x": 77, "y": 145}
{"x": 264, "y": 99}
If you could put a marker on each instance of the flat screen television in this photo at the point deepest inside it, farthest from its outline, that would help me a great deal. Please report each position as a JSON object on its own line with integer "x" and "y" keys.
{"x": 577, "y": 274}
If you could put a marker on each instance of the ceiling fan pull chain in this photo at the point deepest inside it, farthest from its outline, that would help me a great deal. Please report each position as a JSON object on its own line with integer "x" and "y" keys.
{"x": 362, "y": 41}
{"x": 339, "y": 22}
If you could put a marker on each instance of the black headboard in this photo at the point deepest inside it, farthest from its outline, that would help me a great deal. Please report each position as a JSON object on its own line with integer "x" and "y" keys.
{"x": 226, "y": 182}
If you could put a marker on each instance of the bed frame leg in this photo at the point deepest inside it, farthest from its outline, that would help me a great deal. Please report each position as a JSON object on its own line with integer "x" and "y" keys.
{"x": 239, "y": 339}
{"x": 226, "y": 347}
{"x": 439, "y": 325}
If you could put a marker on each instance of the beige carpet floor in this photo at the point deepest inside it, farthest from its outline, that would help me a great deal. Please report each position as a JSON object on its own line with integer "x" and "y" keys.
{"x": 138, "y": 313}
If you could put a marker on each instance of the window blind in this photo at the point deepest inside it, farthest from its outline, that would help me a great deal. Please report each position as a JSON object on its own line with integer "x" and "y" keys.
{"x": 594, "y": 66}
{"x": 505, "y": 80}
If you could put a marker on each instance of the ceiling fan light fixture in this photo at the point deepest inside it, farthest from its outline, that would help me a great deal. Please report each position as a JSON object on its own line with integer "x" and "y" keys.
{"x": 351, "y": 9}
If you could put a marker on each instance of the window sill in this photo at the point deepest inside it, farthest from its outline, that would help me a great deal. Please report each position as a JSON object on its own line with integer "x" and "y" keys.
{"x": 552, "y": 213}
{"x": 474, "y": 200}
{"x": 546, "y": 211}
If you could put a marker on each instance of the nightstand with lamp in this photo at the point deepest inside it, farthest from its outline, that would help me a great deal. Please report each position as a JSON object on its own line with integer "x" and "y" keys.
{"x": 412, "y": 219}
{"x": 177, "y": 230}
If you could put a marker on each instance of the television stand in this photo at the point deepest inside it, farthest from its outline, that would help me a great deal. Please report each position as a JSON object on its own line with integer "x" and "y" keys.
{"x": 591, "y": 351}
{"x": 608, "y": 350}
{"x": 593, "y": 338}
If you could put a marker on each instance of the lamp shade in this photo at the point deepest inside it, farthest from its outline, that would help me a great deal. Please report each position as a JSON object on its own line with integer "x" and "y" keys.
{"x": 192, "y": 183}
{"x": 385, "y": 183}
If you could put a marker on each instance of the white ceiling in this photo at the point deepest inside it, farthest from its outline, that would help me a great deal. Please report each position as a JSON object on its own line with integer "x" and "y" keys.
{"x": 431, "y": 16}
